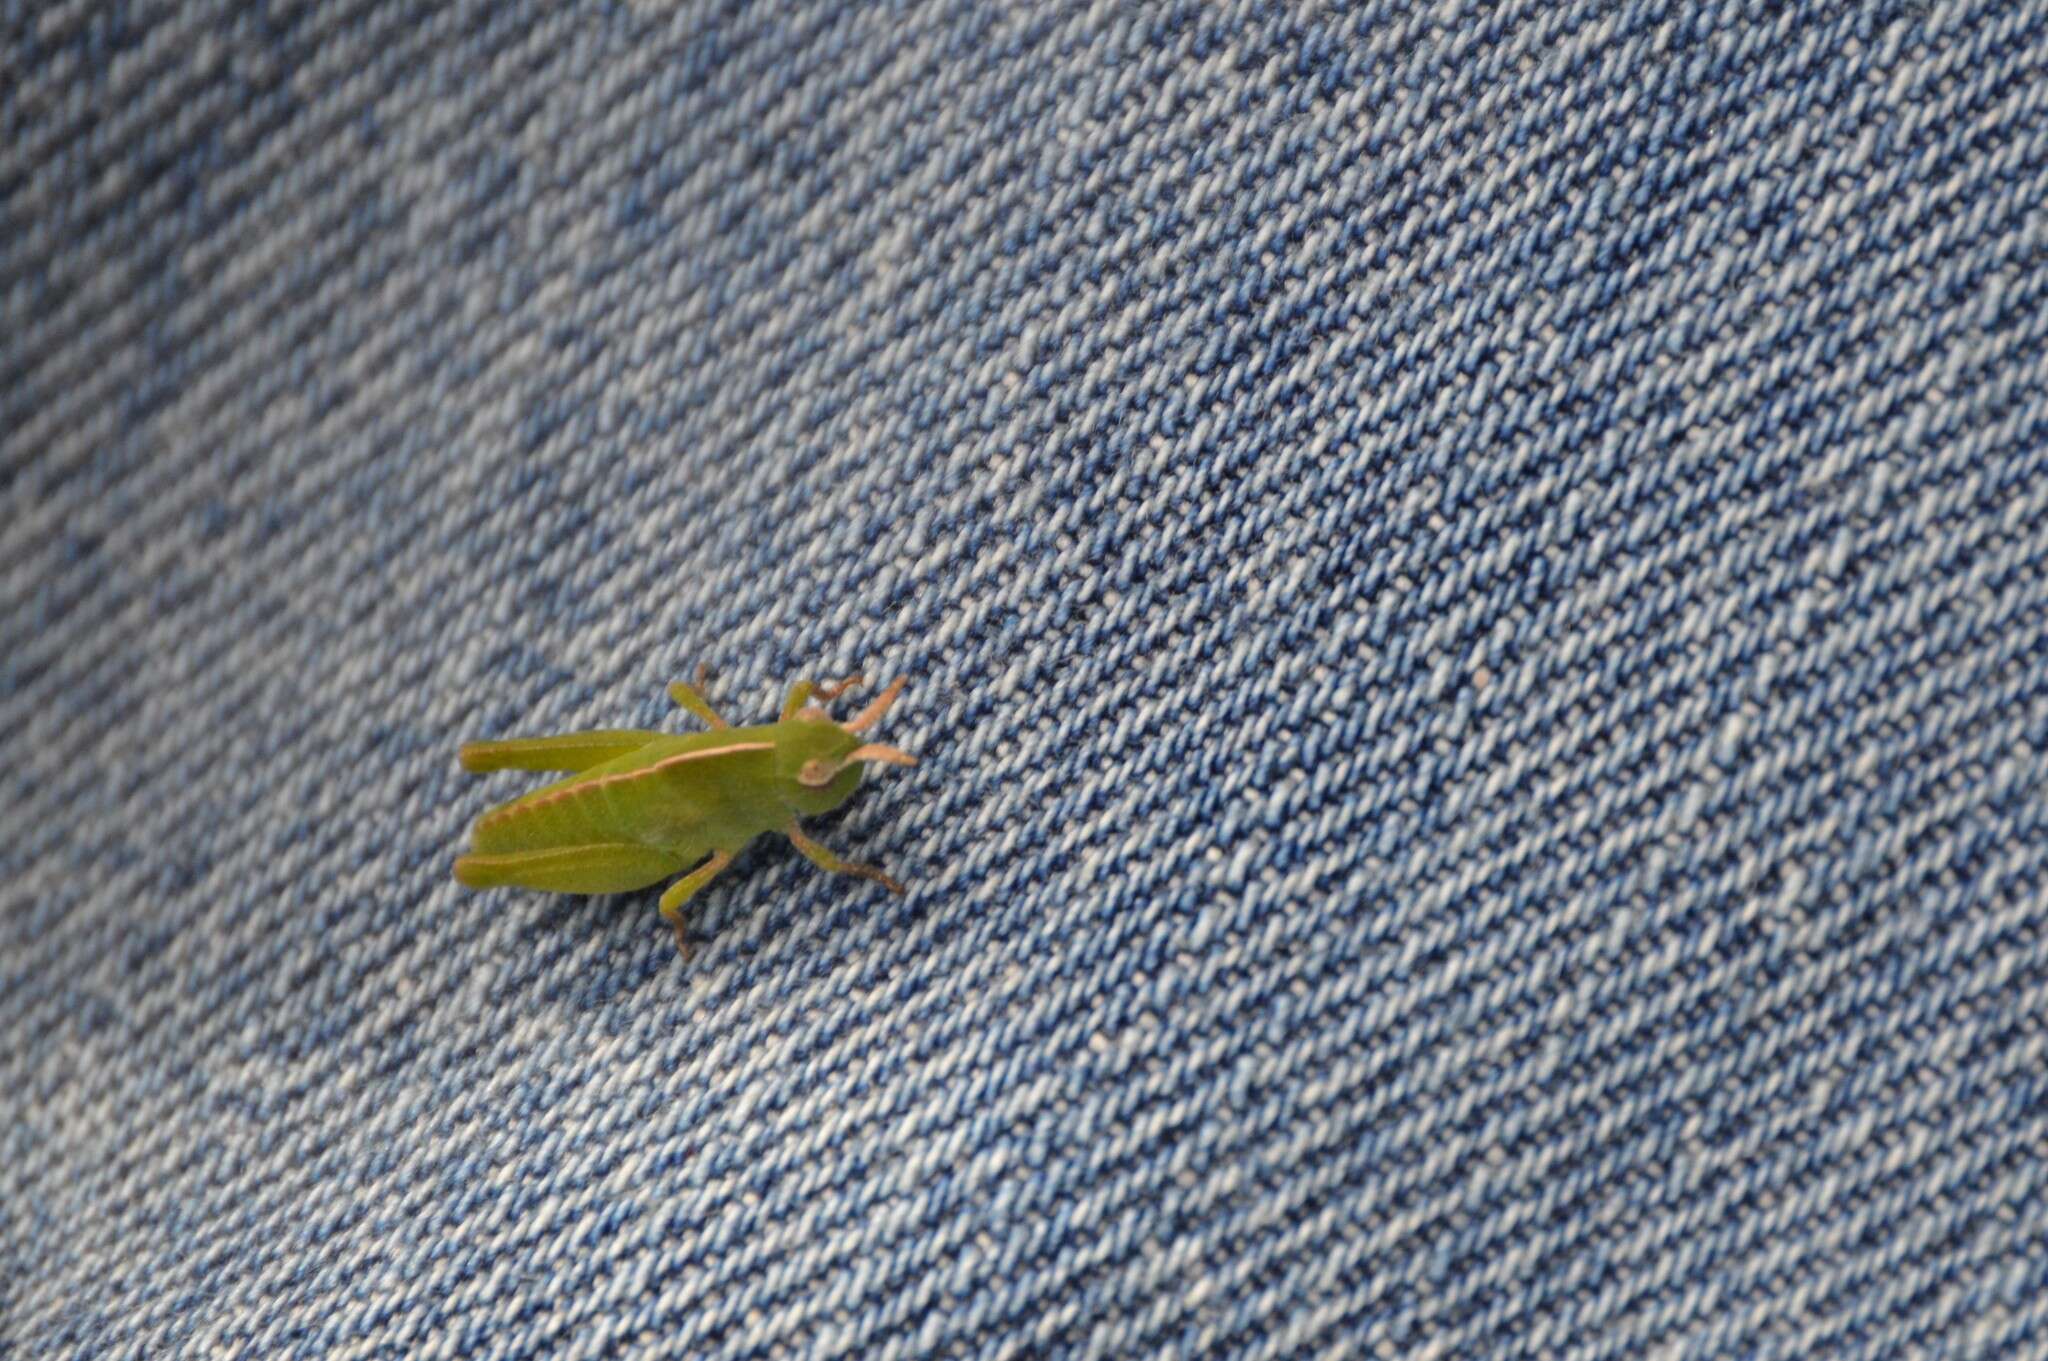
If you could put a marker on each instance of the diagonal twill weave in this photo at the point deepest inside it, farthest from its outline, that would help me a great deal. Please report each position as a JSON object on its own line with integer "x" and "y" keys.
{"x": 1475, "y": 579}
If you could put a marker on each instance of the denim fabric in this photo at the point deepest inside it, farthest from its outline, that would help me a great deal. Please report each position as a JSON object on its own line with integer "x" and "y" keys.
{"x": 1475, "y": 579}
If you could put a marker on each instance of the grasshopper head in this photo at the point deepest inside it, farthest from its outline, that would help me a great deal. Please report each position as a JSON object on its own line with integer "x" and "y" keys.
{"x": 820, "y": 760}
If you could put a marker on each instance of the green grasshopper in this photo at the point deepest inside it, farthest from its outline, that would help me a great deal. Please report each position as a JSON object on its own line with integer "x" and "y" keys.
{"x": 642, "y": 806}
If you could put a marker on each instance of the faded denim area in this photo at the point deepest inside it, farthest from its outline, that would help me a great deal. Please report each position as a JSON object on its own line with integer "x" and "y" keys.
{"x": 1475, "y": 579}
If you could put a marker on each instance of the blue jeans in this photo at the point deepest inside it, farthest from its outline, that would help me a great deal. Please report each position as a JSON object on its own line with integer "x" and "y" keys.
{"x": 1475, "y": 585}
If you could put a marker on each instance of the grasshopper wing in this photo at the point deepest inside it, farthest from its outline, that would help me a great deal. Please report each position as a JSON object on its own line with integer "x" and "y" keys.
{"x": 667, "y": 803}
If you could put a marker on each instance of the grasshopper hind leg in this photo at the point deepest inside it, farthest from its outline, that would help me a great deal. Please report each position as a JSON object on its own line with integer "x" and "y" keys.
{"x": 605, "y": 867}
